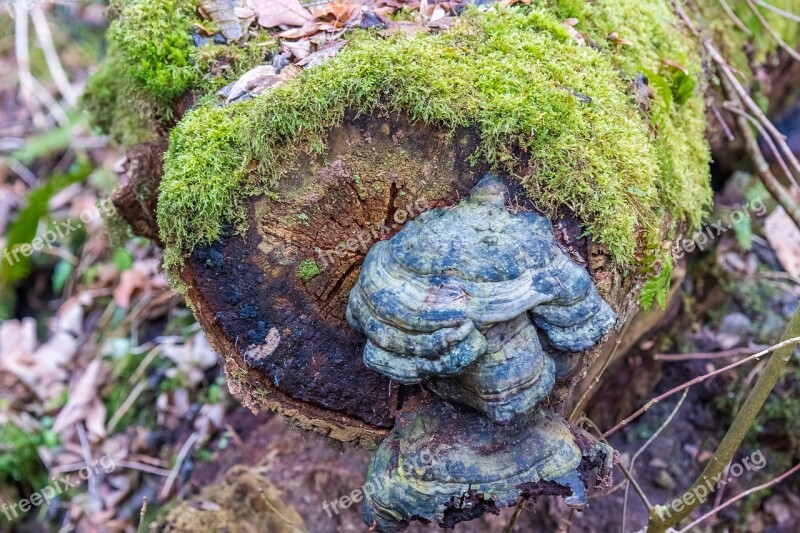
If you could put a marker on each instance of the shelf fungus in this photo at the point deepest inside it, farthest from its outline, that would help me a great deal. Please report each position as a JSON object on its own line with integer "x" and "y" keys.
{"x": 461, "y": 300}
{"x": 446, "y": 464}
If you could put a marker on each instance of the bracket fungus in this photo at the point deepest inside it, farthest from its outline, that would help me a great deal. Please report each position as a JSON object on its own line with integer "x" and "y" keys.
{"x": 444, "y": 463}
{"x": 456, "y": 300}
{"x": 458, "y": 293}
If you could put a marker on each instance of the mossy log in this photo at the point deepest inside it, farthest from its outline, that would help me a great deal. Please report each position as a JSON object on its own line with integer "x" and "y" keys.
{"x": 591, "y": 113}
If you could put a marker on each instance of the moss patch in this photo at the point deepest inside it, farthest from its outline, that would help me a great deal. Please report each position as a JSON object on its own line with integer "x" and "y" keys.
{"x": 535, "y": 94}
{"x": 152, "y": 61}
{"x": 307, "y": 270}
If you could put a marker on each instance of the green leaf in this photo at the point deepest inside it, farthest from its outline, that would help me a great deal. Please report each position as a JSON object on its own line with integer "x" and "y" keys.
{"x": 123, "y": 259}
{"x": 61, "y": 274}
{"x": 657, "y": 287}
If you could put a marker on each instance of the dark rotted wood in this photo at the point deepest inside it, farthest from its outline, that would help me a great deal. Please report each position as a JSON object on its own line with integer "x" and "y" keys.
{"x": 137, "y": 193}
{"x": 280, "y": 324}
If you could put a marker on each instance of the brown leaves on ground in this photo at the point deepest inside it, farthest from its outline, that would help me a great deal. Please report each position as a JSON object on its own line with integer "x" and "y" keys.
{"x": 310, "y": 38}
{"x": 273, "y": 13}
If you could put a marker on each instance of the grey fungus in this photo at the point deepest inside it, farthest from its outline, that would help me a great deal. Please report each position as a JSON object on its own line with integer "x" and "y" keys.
{"x": 462, "y": 300}
{"x": 444, "y": 297}
{"x": 446, "y": 464}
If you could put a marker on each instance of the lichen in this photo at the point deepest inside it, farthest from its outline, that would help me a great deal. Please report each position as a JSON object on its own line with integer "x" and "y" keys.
{"x": 535, "y": 94}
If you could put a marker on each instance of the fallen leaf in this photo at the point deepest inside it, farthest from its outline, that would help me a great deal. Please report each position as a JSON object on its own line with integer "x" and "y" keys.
{"x": 676, "y": 65}
{"x": 223, "y": 13}
{"x": 299, "y": 49}
{"x": 569, "y": 24}
{"x": 262, "y": 74}
{"x": 616, "y": 39}
{"x": 84, "y": 405}
{"x": 272, "y": 13}
{"x": 341, "y": 13}
{"x": 509, "y": 3}
{"x": 784, "y": 238}
{"x": 306, "y": 30}
{"x": 326, "y": 52}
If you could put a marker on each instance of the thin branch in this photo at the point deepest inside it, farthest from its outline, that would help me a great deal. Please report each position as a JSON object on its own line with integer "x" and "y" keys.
{"x": 775, "y": 35}
{"x": 779, "y": 11}
{"x": 735, "y": 352}
{"x": 751, "y": 106}
{"x": 736, "y": 20}
{"x": 741, "y": 425}
{"x": 637, "y": 488}
{"x": 126, "y": 405}
{"x": 744, "y": 494}
{"x": 764, "y": 135}
{"x": 599, "y": 375}
{"x": 644, "y": 446}
{"x": 698, "y": 379}
{"x": 57, "y": 72}
{"x": 173, "y": 475}
{"x": 515, "y": 516}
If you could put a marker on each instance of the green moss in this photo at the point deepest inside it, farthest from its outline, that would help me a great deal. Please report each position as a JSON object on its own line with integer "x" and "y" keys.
{"x": 154, "y": 39}
{"x": 116, "y": 106}
{"x": 515, "y": 74}
{"x": 152, "y": 61}
{"x": 307, "y": 270}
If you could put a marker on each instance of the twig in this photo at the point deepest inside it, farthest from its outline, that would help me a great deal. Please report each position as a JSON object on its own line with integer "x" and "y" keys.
{"x": 735, "y": 352}
{"x": 740, "y": 426}
{"x": 698, "y": 379}
{"x": 606, "y": 364}
{"x": 94, "y": 501}
{"x": 142, "y": 515}
{"x": 764, "y": 135}
{"x": 779, "y": 11}
{"x": 636, "y": 487}
{"x": 744, "y": 494}
{"x": 30, "y": 89}
{"x": 722, "y": 123}
{"x": 644, "y": 446}
{"x": 736, "y": 20}
{"x": 173, "y": 475}
{"x": 775, "y": 35}
{"x": 752, "y": 107}
{"x": 781, "y": 195}
{"x": 126, "y": 405}
{"x": 135, "y": 465}
{"x": 45, "y": 39}
{"x": 518, "y": 511}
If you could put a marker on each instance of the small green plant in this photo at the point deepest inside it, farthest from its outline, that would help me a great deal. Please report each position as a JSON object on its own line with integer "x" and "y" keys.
{"x": 307, "y": 270}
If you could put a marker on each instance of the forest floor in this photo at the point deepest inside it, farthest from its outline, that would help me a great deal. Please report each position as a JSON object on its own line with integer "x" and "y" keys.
{"x": 107, "y": 382}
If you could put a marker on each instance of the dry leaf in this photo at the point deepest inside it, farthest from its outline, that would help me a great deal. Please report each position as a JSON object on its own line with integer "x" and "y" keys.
{"x": 327, "y": 51}
{"x": 223, "y": 13}
{"x": 84, "y": 405}
{"x": 676, "y": 65}
{"x": 272, "y": 13}
{"x": 340, "y": 13}
{"x": 616, "y": 39}
{"x": 262, "y": 74}
{"x": 784, "y": 238}
{"x": 306, "y": 30}
{"x": 299, "y": 49}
